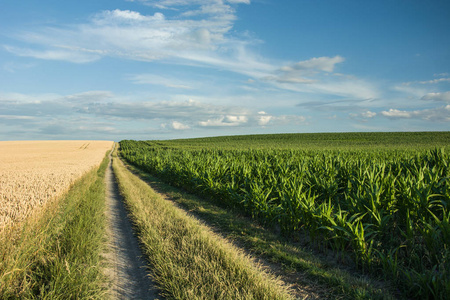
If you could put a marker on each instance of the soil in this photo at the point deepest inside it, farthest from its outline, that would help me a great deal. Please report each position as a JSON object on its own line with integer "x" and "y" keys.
{"x": 127, "y": 269}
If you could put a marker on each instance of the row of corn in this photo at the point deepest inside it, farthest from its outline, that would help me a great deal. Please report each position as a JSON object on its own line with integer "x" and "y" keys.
{"x": 389, "y": 210}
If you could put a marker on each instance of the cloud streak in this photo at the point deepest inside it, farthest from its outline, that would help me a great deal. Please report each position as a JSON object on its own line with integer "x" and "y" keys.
{"x": 180, "y": 50}
{"x": 161, "y": 80}
{"x": 102, "y": 111}
{"x": 198, "y": 33}
{"x": 316, "y": 64}
{"x": 445, "y": 97}
{"x": 130, "y": 34}
{"x": 441, "y": 114}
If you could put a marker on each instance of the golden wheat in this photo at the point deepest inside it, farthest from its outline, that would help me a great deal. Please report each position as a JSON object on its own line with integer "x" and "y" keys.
{"x": 32, "y": 172}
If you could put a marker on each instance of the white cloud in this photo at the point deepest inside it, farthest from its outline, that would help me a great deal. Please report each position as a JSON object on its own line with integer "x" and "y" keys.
{"x": 441, "y": 75}
{"x": 160, "y": 80}
{"x": 325, "y": 64}
{"x": 224, "y": 121}
{"x": 395, "y": 113}
{"x": 102, "y": 129}
{"x": 263, "y": 118}
{"x": 125, "y": 16}
{"x": 219, "y": 10}
{"x": 147, "y": 110}
{"x": 437, "y": 96}
{"x": 186, "y": 39}
{"x": 363, "y": 116}
{"x": 172, "y": 4}
{"x": 15, "y": 117}
{"x": 295, "y": 73}
{"x": 368, "y": 114}
{"x": 203, "y": 41}
{"x": 288, "y": 79}
{"x": 310, "y": 76}
{"x": 13, "y": 67}
{"x": 410, "y": 91}
{"x": 80, "y": 56}
{"x": 349, "y": 88}
{"x": 434, "y": 81}
{"x": 179, "y": 126}
{"x": 288, "y": 120}
{"x": 239, "y": 1}
{"x": 102, "y": 114}
{"x": 129, "y": 34}
{"x": 91, "y": 96}
{"x": 441, "y": 114}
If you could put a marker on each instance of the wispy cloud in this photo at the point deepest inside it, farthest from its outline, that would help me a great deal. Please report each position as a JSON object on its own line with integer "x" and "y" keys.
{"x": 185, "y": 38}
{"x": 57, "y": 115}
{"x": 406, "y": 90}
{"x": 118, "y": 17}
{"x": 434, "y": 81}
{"x": 445, "y": 97}
{"x": 325, "y": 64}
{"x": 77, "y": 56}
{"x": 176, "y": 4}
{"x": 431, "y": 81}
{"x": 13, "y": 67}
{"x": 160, "y": 80}
{"x": 197, "y": 33}
{"x": 130, "y": 34}
{"x": 15, "y": 117}
{"x": 368, "y": 114}
{"x": 223, "y": 121}
{"x": 90, "y": 96}
{"x": 313, "y": 76}
{"x": 298, "y": 72}
{"x": 441, "y": 114}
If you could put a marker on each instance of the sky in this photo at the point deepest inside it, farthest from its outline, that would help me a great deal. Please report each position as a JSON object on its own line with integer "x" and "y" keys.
{"x": 165, "y": 69}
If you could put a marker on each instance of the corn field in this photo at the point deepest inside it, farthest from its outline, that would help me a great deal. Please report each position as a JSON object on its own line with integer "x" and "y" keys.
{"x": 32, "y": 172}
{"x": 386, "y": 208}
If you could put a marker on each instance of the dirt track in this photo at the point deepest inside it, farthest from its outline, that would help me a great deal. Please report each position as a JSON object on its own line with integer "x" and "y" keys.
{"x": 127, "y": 270}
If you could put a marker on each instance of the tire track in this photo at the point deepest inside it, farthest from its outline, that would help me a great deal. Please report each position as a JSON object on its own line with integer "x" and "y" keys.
{"x": 127, "y": 268}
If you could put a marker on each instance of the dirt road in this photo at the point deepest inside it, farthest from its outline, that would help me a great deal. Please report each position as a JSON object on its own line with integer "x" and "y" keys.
{"x": 127, "y": 269}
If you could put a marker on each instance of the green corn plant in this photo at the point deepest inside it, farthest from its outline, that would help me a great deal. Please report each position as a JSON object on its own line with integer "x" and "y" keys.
{"x": 388, "y": 208}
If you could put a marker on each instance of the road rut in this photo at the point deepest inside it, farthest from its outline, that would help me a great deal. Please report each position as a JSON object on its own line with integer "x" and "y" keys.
{"x": 127, "y": 268}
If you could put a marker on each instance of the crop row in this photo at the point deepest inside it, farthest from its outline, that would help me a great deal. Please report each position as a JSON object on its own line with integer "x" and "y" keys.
{"x": 388, "y": 209}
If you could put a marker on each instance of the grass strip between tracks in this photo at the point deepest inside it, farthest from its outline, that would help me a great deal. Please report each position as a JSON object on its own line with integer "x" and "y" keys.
{"x": 187, "y": 259}
{"x": 56, "y": 254}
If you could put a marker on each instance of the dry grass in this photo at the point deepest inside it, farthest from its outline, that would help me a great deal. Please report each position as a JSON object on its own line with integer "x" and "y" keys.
{"x": 188, "y": 260}
{"x": 32, "y": 172}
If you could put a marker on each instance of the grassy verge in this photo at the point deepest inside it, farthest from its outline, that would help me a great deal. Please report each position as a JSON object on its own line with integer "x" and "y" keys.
{"x": 56, "y": 255}
{"x": 188, "y": 260}
{"x": 324, "y": 277}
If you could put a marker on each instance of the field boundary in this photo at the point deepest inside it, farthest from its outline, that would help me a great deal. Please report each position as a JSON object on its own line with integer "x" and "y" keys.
{"x": 56, "y": 254}
{"x": 126, "y": 267}
{"x": 385, "y": 207}
{"x": 187, "y": 259}
{"x": 311, "y": 274}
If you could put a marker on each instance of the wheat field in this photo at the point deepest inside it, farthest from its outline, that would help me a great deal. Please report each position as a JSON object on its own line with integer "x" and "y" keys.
{"x": 32, "y": 172}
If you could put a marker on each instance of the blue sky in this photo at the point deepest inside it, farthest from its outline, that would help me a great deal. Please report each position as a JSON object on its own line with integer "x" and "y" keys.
{"x": 163, "y": 69}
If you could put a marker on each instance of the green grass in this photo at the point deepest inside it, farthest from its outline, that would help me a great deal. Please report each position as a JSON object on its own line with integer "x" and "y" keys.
{"x": 187, "y": 259}
{"x": 314, "y": 141}
{"x": 57, "y": 255}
